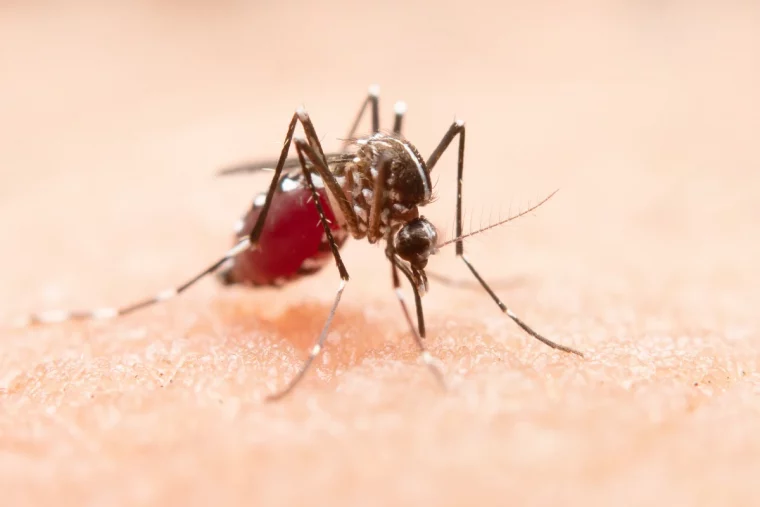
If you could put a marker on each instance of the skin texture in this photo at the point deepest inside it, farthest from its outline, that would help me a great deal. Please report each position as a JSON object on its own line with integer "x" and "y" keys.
{"x": 645, "y": 115}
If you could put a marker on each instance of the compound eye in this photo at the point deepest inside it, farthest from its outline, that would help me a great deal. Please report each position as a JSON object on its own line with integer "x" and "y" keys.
{"x": 416, "y": 241}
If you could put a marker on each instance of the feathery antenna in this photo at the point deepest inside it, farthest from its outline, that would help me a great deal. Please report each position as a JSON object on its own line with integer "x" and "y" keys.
{"x": 500, "y": 222}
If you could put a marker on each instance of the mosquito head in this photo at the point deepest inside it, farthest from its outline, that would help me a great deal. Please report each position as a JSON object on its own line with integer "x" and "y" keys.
{"x": 416, "y": 241}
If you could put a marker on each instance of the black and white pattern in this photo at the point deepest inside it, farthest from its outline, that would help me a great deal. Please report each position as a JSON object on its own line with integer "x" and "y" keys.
{"x": 376, "y": 185}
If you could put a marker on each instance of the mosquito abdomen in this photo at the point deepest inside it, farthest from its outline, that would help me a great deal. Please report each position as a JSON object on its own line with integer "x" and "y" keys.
{"x": 292, "y": 243}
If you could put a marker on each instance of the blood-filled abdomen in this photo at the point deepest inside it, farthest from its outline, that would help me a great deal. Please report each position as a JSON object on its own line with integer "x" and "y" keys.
{"x": 293, "y": 242}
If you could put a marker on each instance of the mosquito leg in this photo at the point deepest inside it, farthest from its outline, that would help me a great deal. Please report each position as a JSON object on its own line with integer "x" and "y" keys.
{"x": 316, "y": 349}
{"x": 514, "y": 317}
{"x": 316, "y": 155}
{"x": 379, "y": 197}
{"x": 317, "y": 159}
{"x": 373, "y": 101}
{"x": 399, "y": 110}
{"x": 417, "y": 332}
{"x": 390, "y": 253}
{"x": 282, "y": 162}
{"x": 313, "y": 150}
{"x": 244, "y": 244}
{"x": 107, "y": 313}
{"x": 457, "y": 128}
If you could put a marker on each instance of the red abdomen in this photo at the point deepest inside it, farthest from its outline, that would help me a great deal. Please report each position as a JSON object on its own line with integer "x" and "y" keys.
{"x": 293, "y": 242}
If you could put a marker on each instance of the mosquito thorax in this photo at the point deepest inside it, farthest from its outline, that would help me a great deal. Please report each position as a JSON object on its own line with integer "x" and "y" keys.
{"x": 408, "y": 183}
{"x": 314, "y": 201}
{"x": 409, "y": 179}
{"x": 415, "y": 241}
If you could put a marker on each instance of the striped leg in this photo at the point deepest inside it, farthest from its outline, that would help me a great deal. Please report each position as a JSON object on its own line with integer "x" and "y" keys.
{"x": 419, "y": 332}
{"x": 313, "y": 150}
{"x": 457, "y": 129}
{"x": 56, "y": 316}
{"x": 373, "y": 100}
{"x": 399, "y": 110}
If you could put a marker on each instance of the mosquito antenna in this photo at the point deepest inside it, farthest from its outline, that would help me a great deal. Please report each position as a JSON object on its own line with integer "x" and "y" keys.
{"x": 498, "y": 223}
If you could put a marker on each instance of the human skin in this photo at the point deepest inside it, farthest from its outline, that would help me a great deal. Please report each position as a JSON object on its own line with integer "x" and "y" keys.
{"x": 114, "y": 121}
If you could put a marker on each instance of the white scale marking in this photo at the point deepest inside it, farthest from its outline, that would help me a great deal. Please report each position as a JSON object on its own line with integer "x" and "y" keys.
{"x": 399, "y": 208}
{"x": 166, "y": 294}
{"x": 360, "y": 212}
{"x": 289, "y": 184}
{"x": 241, "y": 247}
{"x": 317, "y": 180}
{"x": 54, "y": 316}
{"x": 105, "y": 313}
{"x": 259, "y": 200}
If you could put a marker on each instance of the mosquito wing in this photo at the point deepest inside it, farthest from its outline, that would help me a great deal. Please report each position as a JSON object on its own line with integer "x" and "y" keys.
{"x": 333, "y": 159}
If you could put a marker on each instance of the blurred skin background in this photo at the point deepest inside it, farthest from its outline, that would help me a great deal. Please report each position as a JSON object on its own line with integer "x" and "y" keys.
{"x": 114, "y": 118}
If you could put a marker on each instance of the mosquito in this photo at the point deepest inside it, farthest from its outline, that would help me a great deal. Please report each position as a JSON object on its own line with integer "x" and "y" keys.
{"x": 373, "y": 189}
